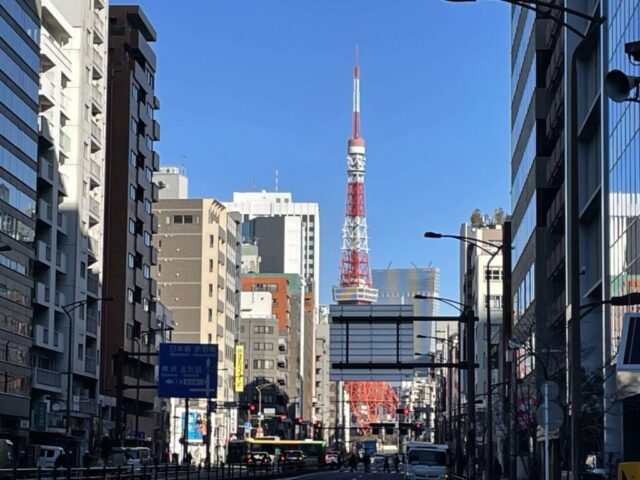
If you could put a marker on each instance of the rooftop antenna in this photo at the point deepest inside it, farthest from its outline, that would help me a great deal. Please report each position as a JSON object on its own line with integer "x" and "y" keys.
{"x": 389, "y": 266}
{"x": 276, "y": 179}
{"x": 183, "y": 163}
{"x": 415, "y": 266}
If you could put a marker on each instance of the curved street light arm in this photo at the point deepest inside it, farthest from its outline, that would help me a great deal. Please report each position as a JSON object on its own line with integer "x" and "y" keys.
{"x": 461, "y": 307}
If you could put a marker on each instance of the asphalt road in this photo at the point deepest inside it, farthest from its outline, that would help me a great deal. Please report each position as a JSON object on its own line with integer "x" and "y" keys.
{"x": 375, "y": 473}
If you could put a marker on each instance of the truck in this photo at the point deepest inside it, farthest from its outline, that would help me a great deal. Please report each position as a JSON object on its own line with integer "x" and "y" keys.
{"x": 427, "y": 461}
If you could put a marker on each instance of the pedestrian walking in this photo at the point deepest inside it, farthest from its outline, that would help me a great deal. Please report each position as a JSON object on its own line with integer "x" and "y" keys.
{"x": 353, "y": 463}
{"x": 366, "y": 459}
{"x": 396, "y": 462}
{"x": 385, "y": 466}
{"x": 497, "y": 469}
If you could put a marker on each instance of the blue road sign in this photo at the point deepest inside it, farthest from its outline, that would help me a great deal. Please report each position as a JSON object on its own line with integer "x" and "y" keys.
{"x": 188, "y": 370}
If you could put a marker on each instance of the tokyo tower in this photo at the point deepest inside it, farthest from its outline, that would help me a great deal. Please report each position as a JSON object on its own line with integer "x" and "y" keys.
{"x": 367, "y": 399}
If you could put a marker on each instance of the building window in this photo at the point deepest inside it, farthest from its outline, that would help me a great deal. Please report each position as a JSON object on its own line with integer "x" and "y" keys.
{"x": 134, "y": 92}
{"x": 211, "y": 290}
{"x": 145, "y": 304}
{"x": 132, "y": 226}
{"x": 134, "y": 125}
{"x": 210, "y": 311}
{"x": 129, "y": 331}
{"x": 494, "y": 273}
{"x": 263, "y": 364}
{"x": 147, "y": 239}
{"x": 177, "y": 219}
{"x": 132, "y": 192}
{"x": 495, "y": 301}
{"x": 83, "y": 269}
{"x": 80, "y": 351}
{"x": 210, "y": 338}
{"x": 210, "y": 265}
{"x": 146, "y": 271}
{"x": 211, "y": 241}
{"x": 129, "y": 295}
{"x": 147, "y": 206}
{"x": 133, "y": 159}
{"x": 263, "y": 346}
{"x": 131, "y": 261}
{"x": 148, "y": 173}
{"x": 262, "y": 329}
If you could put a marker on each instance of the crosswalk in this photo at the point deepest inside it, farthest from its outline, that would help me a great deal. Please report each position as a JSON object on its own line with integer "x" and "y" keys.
{"x": 374, "y": 468}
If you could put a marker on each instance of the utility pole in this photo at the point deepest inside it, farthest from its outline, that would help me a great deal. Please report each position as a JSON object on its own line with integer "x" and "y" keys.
{"x": 471, "y": 389}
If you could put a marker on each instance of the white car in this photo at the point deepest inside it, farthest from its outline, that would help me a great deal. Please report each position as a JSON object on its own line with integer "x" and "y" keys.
{"x": 426, "y": 463}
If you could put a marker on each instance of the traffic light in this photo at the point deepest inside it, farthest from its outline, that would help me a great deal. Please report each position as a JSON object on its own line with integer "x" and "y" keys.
{"x": 318, "y": 425}
{"x": 299, "y": 420}
{"x": 252, "y": 408}
{"x": 282, "y": 417}
{"x": 418, "y": 428}
{"x": 403, "y": 410}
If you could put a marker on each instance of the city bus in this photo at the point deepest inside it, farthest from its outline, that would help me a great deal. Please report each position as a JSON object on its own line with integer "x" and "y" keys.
{"x": 313, "y": 450}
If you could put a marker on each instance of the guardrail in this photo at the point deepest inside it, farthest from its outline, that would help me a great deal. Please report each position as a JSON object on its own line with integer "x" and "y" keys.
{"x": 165, "y": 472}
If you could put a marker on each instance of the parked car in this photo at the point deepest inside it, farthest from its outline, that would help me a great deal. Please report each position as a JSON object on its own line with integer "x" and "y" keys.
{"x": 46, "y": 455}
{"x": 138, "y": 456}
{"x": 377, "y": 458}
{"x": 332, "y": 458}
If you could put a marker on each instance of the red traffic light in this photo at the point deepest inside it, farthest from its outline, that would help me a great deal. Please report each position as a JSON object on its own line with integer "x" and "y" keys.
{"x": 299, "y": 420}
{"x": 282, "y": 417}
{"x": 252, "y": 408}
{"x": 403, "y": 410}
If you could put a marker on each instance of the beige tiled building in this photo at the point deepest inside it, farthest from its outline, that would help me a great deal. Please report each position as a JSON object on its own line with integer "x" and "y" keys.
{"x": 198, "y": 278}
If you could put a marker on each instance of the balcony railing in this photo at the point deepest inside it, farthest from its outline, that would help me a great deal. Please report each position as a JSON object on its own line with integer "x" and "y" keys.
{"x": 47, "y": 377}
{"x": 93, "y": 284}
{"x": 65, "y": 142}
{"x": 92, "y": 324}
{"x": 94, "y": 206}
{"x": 88, "y": 406}
{"x": 96, "y": 131}
{"x": 65, "y": 101}
{"x": 90, "y": 365}
{"x": 97, "y": 94}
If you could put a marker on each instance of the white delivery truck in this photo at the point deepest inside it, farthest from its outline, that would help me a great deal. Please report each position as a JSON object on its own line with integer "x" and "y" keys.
{"x": 427, "y": 461}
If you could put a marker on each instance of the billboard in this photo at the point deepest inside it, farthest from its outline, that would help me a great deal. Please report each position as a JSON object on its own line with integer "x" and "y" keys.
{"x": 196, "y": 424}
{"x": 187, "y": 370}
{"x": 239, "y": 369}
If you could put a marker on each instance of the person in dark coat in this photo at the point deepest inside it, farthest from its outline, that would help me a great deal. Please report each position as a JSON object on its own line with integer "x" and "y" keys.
{"x": 396, "y": 462}
{"x": 497, "y": 469}
{"x": 385, "y": 466}
{"x": 86, "y": 459}
{"x": 353, "y": 462}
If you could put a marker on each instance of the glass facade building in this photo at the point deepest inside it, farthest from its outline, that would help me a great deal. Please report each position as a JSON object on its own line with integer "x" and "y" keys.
{"x": 19, "y": 126}
{"x": 621, "y": 427}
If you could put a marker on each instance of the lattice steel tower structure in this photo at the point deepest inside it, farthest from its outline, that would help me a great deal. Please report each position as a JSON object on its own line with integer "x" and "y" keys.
{"x": 367, "y": 399}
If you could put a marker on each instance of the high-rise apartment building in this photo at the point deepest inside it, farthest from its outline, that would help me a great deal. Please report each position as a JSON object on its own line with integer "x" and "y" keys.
{"x": 325, "y": 408}
{"x": 68, "y": 266}
{"x": 286, "y": 232}
{"x": 172, "y": 182}
{"x": 198, "y": 280}
{"x": 398, "y": 286}
{"x": 128, "y": 321}
{"x": 19, "y": 128}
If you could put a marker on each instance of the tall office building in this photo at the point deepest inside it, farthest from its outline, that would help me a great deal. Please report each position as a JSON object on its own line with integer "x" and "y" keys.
{"x": 542, "y": 221}
{"x": 198, "y": 280}
{"x": 398, "y": 286}
{"x": 286, "y": 232}
{"x": 128, "y": 321}
{"x": 68, "y": 266}
{"x": 621, "y": 393}
{"x": 19, "y": 127}
{"x": 325, "y": 409}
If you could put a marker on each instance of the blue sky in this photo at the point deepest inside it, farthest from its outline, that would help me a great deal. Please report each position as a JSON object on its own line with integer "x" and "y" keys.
{"x": 248, "y": 86}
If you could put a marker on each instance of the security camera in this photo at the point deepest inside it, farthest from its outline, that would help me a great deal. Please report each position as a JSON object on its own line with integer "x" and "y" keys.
{"x": 633, "y": 50}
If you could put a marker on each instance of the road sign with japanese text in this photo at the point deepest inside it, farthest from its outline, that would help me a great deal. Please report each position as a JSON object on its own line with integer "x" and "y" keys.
{"x": 188, "y": 370}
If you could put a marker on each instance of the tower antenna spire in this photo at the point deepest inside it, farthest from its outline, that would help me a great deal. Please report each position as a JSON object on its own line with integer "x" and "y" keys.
{"x": 356, "y": 97}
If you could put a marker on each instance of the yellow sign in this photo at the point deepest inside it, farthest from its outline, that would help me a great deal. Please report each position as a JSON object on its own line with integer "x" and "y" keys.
{"x": 239, "y": 370}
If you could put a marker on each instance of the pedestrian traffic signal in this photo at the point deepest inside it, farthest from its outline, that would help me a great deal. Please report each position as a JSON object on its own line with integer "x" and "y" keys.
{"x": 403, "y": 410}
{"x": 418, "y": 428}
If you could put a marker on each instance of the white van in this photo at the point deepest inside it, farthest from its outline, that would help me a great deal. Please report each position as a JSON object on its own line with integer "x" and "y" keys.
{"x": 46, "y": 455}
{"x": 427, "y": 461}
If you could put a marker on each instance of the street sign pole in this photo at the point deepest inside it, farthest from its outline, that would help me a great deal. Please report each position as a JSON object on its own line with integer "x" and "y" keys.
{"x": 546, "y": 430}
{"x": 185, "y": 445}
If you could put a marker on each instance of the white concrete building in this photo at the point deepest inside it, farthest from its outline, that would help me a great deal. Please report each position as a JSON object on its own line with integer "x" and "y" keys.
{"x": 290, "y": 243}
{"x": 69, "y": 229}
{"x": 173, "y": 183}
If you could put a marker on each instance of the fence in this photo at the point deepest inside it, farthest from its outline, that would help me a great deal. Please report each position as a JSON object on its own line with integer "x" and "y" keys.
{"x": 164, "y": 472}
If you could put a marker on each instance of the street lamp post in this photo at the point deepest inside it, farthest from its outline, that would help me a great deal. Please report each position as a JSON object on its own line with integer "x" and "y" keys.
{"x": 485, "y": 247}
{"x": 467, "y": 312}
{"x": 68, "y": 309}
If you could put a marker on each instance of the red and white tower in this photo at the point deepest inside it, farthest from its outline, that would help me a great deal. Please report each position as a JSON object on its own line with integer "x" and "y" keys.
{"x": 368, "y": 400}
{"x": 355, "y": 277}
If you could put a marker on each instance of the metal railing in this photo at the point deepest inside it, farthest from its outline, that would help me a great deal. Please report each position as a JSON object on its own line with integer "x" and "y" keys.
{"x": 171, "y": 471}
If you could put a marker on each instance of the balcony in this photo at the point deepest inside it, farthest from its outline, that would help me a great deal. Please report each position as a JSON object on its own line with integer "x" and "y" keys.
{"x": 63, "y": 181}
{"x": 60, "y": 299}
{"x": 52, "y": 49}
{"x": 61, "y": 262}
{"x": 43, "y": 252}
{"x": 94, "y": 207}
{"x": 56, "y": 422}
{"x": 65, "y": 102}
{"x": 153, "y": 287}
{"x": 93, "y": 283}
{"x": 93, "y": 249}
{"x": 95, "y": 169}
{"x": 154, "y": 256}
{"x": 65, "y": 143}
{"x": 96, "y": 136}
{"x": 155, "y": 193}
{"x": 92, "y": 324}
{"x": 45, "y": 170}
{"x": 98, "y": 64}
{"x": 154, "y": 224}
{"x": 42, "y": 338}
{"x": 98, "y": 28}
{"x": 155, "y": 130}
{"x": 555, "y": 116}
{"x": 61, "y": 222}
{"x": 47, "y": 380}
{"x": 97, "y": 98}
{"x": 44, "y": 211}
{"x": 47, "y": 93}
{"x": 555, "y": 214}
{"x": 155, "y": 161}
{"x": 44, "y": 130}
{"x": 43, "y": 294}
{"x": 90, "y": 365}
{"x": 555, "y": 261}
{"x": 87, "y": 406}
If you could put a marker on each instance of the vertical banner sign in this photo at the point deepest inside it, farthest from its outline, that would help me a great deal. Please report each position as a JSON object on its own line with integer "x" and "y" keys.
{"x": 239, "y": 369}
